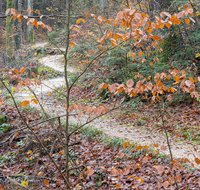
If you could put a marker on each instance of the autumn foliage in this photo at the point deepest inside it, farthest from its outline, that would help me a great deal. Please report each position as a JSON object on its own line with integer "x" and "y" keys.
{"x": 134, "y": 167}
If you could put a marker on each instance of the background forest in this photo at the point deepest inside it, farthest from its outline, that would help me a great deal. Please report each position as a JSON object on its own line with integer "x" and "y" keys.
{"x": 100, "y": 94}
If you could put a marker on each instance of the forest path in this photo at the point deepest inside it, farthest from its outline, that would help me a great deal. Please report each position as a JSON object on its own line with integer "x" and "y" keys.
{"x": 108, "y": 126}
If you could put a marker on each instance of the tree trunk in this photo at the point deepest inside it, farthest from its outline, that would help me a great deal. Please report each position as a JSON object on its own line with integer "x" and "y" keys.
{"x": 17, "y": 30}
{"x": 24, "y": 25}
{"x": 30, "y": 29}
{"x": 103, "y": 5}
{"x": 9, "y": 44}
{"x": 1, "y": 20}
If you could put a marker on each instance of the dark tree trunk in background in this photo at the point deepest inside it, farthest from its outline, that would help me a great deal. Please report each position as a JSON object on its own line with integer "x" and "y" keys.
{"x": 17, "y": 30}
{"x": 30, "y": 29}
{"x": 24, "y": 26}
{"x": 9, "y": 32}
{"x": 1, "y": 11}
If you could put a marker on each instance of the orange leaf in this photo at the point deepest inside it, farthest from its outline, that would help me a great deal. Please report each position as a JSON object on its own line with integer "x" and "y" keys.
{"x": 145, "y": 159}
{"x": 162, "y": 26}
{"x": 191, "y": 79}
{"x": 157, "y": 38}
{"x": 168, "y": 24}
{"x": 172, "y": 90}
{"x": 133, "y": 55}
{"x": 46, "y": 181}
{"x": 29, "y": 11}
{"x": 100, "y": 18}
{"x": 169, "y": 97}
{"x": 144, "y": 60}
{"x": 163, "y": 148}
{"x": 22, "y": 69}
{"x": 93, "y": 15}
{"x": 155, "y": 145}
{"x": 141, "y": 53}
{"x": 129, "y": 83}
{"x": 24, "y": 103}
{"x": 33, "y": 74}
{"x": 188, "y": 83}
{"x": 71, "y": 108}
{"x": 90, "y": 172}
{"x": 125, "y": 144}
{"x": 127, "y": 170}
{"x": 149, "y": 30}
{"x": 79, "y": 20}
{"x": 165, "y": 184}
{"x": 187, "y": 20}
{"x": 103, "y": 85}
{"x": 87, "y": 15}
{"x": 71, "y": 27}
{"x": 160, "y": 169}
{"x": 115, "y": 36}
{"x": 72, "y": 44}
{"x": 117, "y": 186}
{"x": 62, "y": 152}
{"x": 140, "y": 179}
{"x": 83, "y": 20}
{"x": 109, "y": 34}
{"x": 35, "y": 101}
{"x": 79, "y": 115}
{"x": 197, "y": 160}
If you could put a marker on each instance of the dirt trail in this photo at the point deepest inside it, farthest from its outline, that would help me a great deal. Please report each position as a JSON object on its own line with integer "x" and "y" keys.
{"x": 109, "y": 127}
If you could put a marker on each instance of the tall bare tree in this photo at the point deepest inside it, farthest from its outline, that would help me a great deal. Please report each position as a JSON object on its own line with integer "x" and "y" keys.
{"x": 17, "y": 30}
{"x": 9, "y": 44}
{"x": 1, "y": 21}
{"x": 30, "y": 29}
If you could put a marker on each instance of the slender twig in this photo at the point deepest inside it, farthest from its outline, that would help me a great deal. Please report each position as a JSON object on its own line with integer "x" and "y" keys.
{"x": 168, "y": 144}
{"x": 60, "y": 126}
{"x": 68, "y": 8}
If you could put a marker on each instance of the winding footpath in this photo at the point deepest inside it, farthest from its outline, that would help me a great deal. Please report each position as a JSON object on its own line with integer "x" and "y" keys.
{"x": 108, "y": 126}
